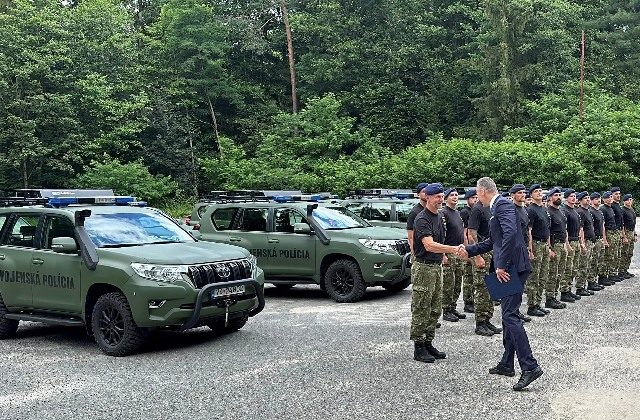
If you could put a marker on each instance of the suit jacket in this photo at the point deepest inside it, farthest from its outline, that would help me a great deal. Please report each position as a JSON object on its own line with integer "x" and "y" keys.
{"x": 505, "y": 239}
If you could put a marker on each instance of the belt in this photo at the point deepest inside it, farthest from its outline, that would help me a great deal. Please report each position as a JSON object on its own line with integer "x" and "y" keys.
{"x": 574, "y": 238}
{"x": 540, "y": 239}
{"x": 421, "y": 261}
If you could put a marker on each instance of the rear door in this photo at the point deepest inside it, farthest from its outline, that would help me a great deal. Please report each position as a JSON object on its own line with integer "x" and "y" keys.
{"x": 18, "y": 275}
{"x": 295, "y": 253}
{"x": 250, "y": 231}
{"x": 222, "y": 221}
{"x": 59, "y": 273}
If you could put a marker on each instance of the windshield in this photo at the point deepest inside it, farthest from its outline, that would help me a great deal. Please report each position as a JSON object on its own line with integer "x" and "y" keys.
{"x": 112, "y": 230}
{"x": 333, "y": 218}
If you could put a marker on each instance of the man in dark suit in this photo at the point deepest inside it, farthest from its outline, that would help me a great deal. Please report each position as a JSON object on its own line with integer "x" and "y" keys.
{"x": 509, "y": 251}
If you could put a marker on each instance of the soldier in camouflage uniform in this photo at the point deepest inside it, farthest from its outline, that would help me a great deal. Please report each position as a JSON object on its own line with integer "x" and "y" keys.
{"x": 596, "y": 276}
{"x": 559, "y": 248}
{"x": 588, "y": 238}
{"x": 619, "y": 213}
{"x": 426, "y": 273}
{"x": 629, "y": 224}
{"x": 575, "y": 247}
{"x": 453, "y": 264}
{"x": 613, "y": 239}
{"x": 467, "y": 282}
{"x": 539, "y": 246}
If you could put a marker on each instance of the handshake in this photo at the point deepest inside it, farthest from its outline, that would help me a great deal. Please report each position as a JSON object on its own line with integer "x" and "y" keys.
{"x": 461, "y": 252}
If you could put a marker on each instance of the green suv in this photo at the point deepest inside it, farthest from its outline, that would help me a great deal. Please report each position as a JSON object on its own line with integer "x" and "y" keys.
{"x": 120, "y": 271}
{"x": 312, "y": 242}
{"x": 382, "y": 207}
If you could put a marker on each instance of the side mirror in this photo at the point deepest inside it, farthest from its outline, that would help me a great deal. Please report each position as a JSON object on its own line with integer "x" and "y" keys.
{"x": 302, "y": 228}
{"x": 64, "y": 245}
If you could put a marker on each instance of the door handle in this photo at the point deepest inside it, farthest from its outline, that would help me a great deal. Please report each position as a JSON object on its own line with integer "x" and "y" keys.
{"x": 2, "y": 257}
{"x": 234, "y": 239}
{"x": 37, "y": 261}
{"x": 273, "y": 241}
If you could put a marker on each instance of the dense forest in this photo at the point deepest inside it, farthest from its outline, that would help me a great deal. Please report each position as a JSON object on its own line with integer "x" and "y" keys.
{"x": 170, "y": 98}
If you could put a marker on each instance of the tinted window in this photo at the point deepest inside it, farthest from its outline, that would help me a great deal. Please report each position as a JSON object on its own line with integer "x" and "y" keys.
{"x": 403, "y": 210}
{"x": 254, "y": 220}
{"x": 57, "y": 227}
{"x": 286, "y": 218}
{"x": 223, "y": 218}
{"x": 201, "y": 210}
{"x": 23, "y": 231}
{"x": 379, "y": 211}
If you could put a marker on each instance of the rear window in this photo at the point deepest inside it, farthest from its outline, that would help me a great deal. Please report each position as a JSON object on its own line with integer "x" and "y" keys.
{"x": 223, "y": 218}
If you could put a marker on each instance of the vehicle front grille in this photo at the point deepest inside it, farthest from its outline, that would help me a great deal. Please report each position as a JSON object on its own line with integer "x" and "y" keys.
{"x": 402, "y": 247}
{"x": 219, "y": 272}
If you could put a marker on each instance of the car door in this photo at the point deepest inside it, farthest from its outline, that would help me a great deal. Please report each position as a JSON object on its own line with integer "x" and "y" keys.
{"x": 18, "y": 276}
{"x": 59, "y": 273}
{"x": 250, "y": 231}
{"x": 296, "y": 252}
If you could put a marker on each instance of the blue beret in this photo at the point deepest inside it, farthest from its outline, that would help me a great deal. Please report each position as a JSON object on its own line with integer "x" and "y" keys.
{"x": 516, "y": 188}
{"x": 448, "y": 191}
{"x": 626, "y": 197}
{"x": 554, "y": 190}
{"x": 433, "y": 189}
{"x": 595, "y": 195}
{"x": 614, "y": 189}
{"x": 534, "y": 187}
{"x": 470, "y": 193}
{"x": 582, "y": 195}
{"x": 420, "y": 186}
{"x": 606, "y": 194}
{"x": 568, "y": 192}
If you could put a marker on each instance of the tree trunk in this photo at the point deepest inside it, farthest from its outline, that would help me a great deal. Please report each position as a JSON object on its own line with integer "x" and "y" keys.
{"x": 292, "y": 68}
{"x": 25, "y": 176}
{"x": 215, "y": 128}
{"x": 194, "y": 172}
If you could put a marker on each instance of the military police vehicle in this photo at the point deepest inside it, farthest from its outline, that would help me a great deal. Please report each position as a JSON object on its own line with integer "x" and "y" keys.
{"x": 119, "y": 270}
{"x": 382, "y": 207}
{"x": 314, "y": 241}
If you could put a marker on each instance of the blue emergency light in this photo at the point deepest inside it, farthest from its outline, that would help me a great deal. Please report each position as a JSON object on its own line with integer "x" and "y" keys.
{"x": 106, "y": 200}
{"x": 282, "y": 198}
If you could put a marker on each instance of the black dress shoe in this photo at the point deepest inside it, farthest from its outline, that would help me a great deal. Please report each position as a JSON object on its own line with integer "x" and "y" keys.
{"x": 527, "y": 377}
{"x": 482, "y": 329}
{"x": 566, "y": 297}
{"x": 501, "y": 369}
{"x": 496, "y": 330}
{"x": 448, "y": 316}
{"x": 469, "y": 307}
{"x": 534, "y": 311}
{"x": 523, "y": 317}
{"x": 583, "y": 292}
{"x": 421, "y": 354}
{"x": 545, "y": 310}
{"x": 458, "y": 314}
{"x": 434, "y": 351}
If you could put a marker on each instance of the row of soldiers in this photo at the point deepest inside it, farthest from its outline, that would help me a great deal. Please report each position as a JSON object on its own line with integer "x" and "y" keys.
{"x": 583, "y": 243}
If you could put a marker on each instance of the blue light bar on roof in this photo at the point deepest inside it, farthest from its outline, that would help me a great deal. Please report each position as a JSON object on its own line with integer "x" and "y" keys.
{"x": 282, "y": 198}
{"x": 404, "y": 196}
{"x": 117, "y": 200}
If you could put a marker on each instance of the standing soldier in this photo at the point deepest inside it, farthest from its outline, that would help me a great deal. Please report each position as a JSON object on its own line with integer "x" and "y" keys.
{"x": 574, "y": 249}
{"x": 596, "y": 267}
{"x": 415, "y": 211}
{"x": 619, "y": 242}
{"x": 589, "y": 238}
{"x": 629, "y": 222}
{"x": 518, "y": 195}
{"x": 467, "y": 286}
{"x": 478, "y": 230}
{"x": 613, "y": 236}
{"x": 453, "y": 264}
{"x": 528, "y": 199}
{"x": 426, "y": 274}
{"x": 540, "y": 247}
{"x": 559, "y": 247}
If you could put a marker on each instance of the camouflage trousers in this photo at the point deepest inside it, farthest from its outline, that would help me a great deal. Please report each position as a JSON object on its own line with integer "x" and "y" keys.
{"x": 556, "y": 270}
{"x": 571, "y": 267}
{"x": 481, "y": 299}
{"x": 627, "y": 253}
{"x": 451, "y": 282}
{"x": 584, "y": 270}
{"x": 611, "y": 253}
{"x": 537, "y": 281}
{"x": 426, "y": 300}
{"x": 596, "y": 264}
{"x": 467, "y": 282}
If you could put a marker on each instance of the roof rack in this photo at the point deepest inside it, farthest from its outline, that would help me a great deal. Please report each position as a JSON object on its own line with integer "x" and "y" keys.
{"x": 65, "y": 201}
{"x": 52, "y": 193}
{"x": 279, "y": 196}
{"x": 22, "y": 201}
{"x": 382, "y": 193}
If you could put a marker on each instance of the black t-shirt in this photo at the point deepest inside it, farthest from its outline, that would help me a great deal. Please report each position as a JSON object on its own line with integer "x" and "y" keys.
{"x": 629, "y": 219}
{"x": 598, "y": 221}
{"x": 586, "y": 222}
{"x": 617, "y": 211}
{"x": 558, "y": 227}
{"x": 464, "y": 214}
{"x": 411, "y": 218}
{"x": 479, "y": 220}
{"x": 573, "y": 222}
{"x": 454, "y": 226}
{"x": 539, "y": 222}
{"x": 428, "y": 224}
{"x": 609, "y": 217}
{"x": 523, "y": 217}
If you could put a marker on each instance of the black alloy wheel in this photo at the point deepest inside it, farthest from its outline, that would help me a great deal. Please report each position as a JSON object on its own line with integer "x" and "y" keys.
{"x": 111, "y": 326}
{"x": 343, "y": 281}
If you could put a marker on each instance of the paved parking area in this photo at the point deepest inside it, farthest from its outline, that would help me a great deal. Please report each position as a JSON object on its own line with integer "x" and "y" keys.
{"x": 307, "y": 357}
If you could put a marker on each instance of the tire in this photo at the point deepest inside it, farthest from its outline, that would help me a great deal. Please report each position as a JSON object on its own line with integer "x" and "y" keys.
{"x": 8, "y": 327}
{"x": 113, "y": 327}
{"x": 396, "y": 287}
{"x": 343, "y": 281}
{"x": 234, "y": 325}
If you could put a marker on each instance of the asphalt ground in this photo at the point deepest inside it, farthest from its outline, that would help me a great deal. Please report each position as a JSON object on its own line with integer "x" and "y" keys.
{"x": 306, "y": 357}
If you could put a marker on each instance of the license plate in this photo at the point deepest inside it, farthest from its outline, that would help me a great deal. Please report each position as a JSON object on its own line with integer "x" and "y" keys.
{"x": 228, "y": 291}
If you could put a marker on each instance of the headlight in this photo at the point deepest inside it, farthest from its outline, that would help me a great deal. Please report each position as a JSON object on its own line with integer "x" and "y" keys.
{"x": 166, "y": 273}
{"x": 254, "y": 265}
{"x": 382, "y": 245}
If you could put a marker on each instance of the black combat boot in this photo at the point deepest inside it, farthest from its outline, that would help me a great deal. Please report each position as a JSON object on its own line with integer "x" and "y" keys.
{"x": 421, "y": 354}
{"x": 566, "y": 297}
{"x": 448, "y": 316}
{"x": 434, "y": 351}
{"x": 605, "y": 281}
{"x": 458, "y": 314}
{"x": 469, "y": 307}
{"x": 554, "y": 304}
{"x": 583, "y": 292}
{"x": 483, "y": 329}
{"x": 534, "y": 311}
{"x": 595, "y": 287}
{"x": 545, "y": 310}
{"x": 574, "y": 296}
{"x": 501, "y": 369}
{"x": 523, "y": 317}
{"x": 496, "y": 330}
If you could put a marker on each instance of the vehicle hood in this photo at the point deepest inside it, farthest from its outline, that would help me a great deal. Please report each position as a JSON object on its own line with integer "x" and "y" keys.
{"x": 181, "y": 253}
{"x": 373, "y": 232}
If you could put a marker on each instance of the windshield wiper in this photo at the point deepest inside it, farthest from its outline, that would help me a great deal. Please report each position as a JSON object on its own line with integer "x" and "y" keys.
{"x": 164, "y": 242}
{"x": 119, "y": 245}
